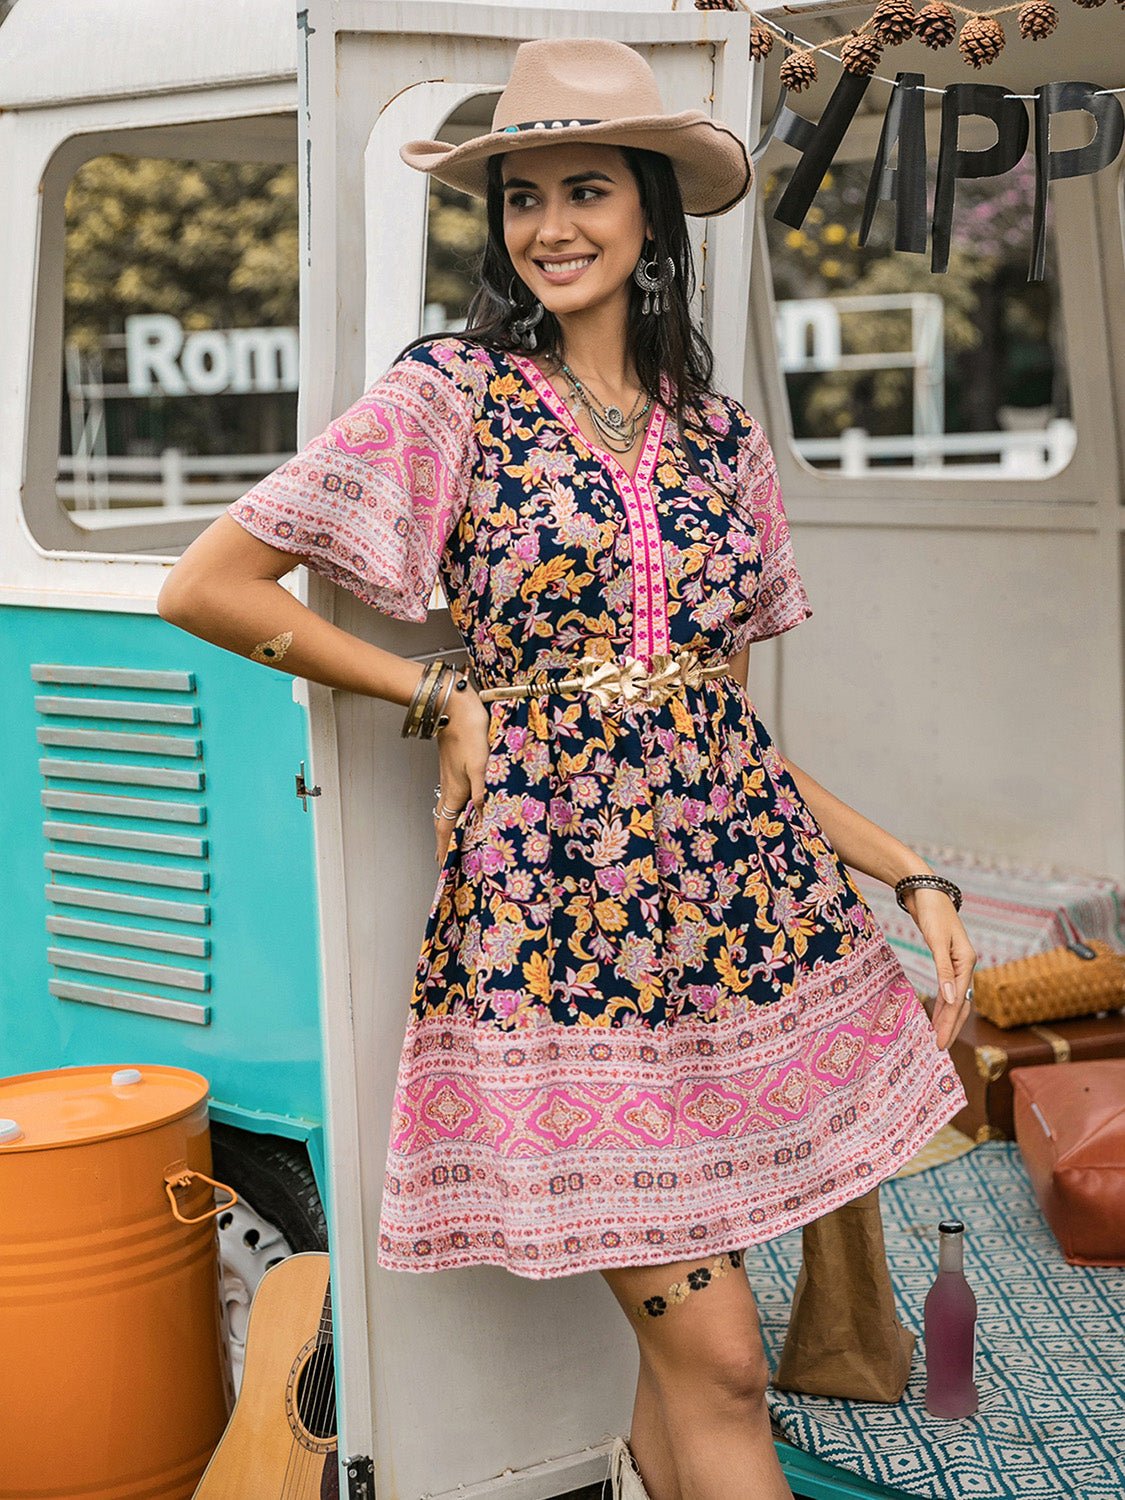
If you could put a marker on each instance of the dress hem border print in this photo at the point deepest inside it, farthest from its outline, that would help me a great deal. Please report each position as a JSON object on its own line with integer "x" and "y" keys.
{"x": 552, "y": 1151}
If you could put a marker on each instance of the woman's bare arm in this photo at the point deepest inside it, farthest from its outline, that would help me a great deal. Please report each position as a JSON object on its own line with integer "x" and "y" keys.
{"x": 863, "y": 845}
{"x": 225, "y": 590}
{"x": 859, "y": 842}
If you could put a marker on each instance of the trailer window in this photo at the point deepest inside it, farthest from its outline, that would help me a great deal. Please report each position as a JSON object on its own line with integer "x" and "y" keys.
{"x": 887, "y": 366}
{"x": 456, "y": 232}
{"x": 177, "y": 371}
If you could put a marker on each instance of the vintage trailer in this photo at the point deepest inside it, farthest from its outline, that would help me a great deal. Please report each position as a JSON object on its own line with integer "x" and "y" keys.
{"x": 243, "y": 895}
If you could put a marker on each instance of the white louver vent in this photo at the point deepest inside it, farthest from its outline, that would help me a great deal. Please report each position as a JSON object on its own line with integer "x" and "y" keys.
{"x": 110, "y": 734}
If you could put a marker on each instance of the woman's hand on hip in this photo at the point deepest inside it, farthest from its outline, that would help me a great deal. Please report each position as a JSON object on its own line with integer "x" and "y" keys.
{"x": 463, "y": 755}
{"x": 954, "y": 957}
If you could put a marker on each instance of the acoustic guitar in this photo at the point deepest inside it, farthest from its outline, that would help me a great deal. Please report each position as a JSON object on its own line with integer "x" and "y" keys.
{"x": 281, "y": 1437}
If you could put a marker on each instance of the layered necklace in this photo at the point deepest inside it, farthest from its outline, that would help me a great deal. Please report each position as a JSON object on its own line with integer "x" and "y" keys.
{"x": 617, "y": 429}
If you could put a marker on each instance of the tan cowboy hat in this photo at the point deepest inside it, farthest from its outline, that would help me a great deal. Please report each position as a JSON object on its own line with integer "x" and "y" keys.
{"x": 587, "y": 89}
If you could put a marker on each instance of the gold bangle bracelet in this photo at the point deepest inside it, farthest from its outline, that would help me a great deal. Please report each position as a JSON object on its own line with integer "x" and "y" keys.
{"x": 421, "y": 687}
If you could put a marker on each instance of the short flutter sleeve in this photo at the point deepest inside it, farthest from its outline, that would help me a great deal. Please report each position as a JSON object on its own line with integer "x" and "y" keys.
{"x": 371, "y": 501}
{"x": 781, "y": 601}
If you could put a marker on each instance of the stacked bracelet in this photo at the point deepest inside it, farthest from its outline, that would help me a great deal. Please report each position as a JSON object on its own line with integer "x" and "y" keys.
{"x": 937, "y": 882}
{"x": 422, "y": 688}
{"x": 426, "y": 713}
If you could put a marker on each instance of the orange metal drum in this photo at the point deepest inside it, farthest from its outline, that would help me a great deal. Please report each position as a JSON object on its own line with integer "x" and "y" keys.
{"x": 118, "y": 1381}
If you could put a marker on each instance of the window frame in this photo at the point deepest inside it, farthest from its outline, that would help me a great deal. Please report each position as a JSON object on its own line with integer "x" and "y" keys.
{"x": 268, "y": 136}
{"x": 945, "y": 499}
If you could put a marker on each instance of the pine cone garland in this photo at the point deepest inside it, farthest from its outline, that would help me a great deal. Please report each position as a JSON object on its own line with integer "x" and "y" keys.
{"x": 761, "y": 42}
{"x": 981, "y": 40}
{"x": 861, "y": 52}
{"x": 893, "y": 21}
{"x": 1038, "y": 18}
{"x": 934, "y": 25}
{"x": 798, "y": 71}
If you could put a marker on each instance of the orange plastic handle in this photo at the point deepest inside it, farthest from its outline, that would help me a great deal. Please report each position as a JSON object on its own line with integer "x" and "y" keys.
{"x": 181, "y": 1176}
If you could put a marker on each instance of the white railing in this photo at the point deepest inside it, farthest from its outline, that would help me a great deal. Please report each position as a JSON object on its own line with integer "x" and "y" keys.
{"x": 1030, "y": 455}
{"x": 157, "y": 486}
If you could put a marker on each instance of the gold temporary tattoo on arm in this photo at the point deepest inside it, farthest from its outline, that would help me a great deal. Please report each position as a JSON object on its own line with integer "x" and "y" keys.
{"x": 272, "y": 651}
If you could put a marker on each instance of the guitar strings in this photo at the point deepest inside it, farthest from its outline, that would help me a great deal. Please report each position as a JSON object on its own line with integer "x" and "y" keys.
{"x": 316, "y": 1406}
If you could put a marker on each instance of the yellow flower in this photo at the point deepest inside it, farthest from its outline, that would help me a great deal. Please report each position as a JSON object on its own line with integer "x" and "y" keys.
{"x": 830, "y": 268}
{"x": 795, "y": 239}
{"x": 835, "y": 234}
{"x": 816, "y": 214}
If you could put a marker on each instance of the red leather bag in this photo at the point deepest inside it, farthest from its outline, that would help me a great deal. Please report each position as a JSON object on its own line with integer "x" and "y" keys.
{"x": 1070, "y": 1126}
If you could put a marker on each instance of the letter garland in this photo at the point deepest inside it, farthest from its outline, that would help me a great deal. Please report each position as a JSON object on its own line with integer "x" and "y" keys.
{"x": 903, "y": 134}
{"x": 980, "y": 42}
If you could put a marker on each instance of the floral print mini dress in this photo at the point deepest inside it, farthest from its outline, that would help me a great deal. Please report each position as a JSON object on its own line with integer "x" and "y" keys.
{"x": 653, "y": 1017}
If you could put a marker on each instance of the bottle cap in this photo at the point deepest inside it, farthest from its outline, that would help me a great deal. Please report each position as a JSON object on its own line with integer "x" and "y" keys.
{"x": 951, "y": 1226}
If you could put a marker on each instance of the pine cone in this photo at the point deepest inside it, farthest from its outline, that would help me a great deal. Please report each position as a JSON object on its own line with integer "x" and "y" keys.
{"x": 1038, "y": 18}
{"x": 1089, "y": 4}
{"x": 981, "y": 40}
{"x": 798, "y": 71}
{"x": 934, "y": 25}
{"x": 861, "y": 52}
{"x": 761, "y": 41}
{"x": 716, "y": 4}
{"x": 893, "y": 21}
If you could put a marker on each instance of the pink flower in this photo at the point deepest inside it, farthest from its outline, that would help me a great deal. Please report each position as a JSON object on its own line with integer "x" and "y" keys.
{"x": 505, "y": 1003}
{"x": 705, "y": 997}
{"x": 564, "y": 818}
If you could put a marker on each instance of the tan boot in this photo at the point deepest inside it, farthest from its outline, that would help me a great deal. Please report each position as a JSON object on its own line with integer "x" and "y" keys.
{"x": 623, "y": 1471}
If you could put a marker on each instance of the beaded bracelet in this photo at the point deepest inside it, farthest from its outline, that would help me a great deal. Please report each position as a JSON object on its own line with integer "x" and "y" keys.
{"x": 936, "y": 882}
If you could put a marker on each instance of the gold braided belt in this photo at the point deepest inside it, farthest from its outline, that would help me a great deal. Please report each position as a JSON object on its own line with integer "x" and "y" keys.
{"x": 622, "y": 679}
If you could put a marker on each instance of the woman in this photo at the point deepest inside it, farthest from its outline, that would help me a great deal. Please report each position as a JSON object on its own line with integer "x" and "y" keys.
{"x": 654, "y": 1020}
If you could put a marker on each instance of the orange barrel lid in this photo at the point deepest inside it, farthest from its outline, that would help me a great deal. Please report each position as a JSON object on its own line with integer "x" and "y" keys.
{"x": 73, "y": 1106}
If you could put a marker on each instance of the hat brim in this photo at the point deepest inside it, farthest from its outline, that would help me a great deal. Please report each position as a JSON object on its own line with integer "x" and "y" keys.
{"x": 711, "y": 163}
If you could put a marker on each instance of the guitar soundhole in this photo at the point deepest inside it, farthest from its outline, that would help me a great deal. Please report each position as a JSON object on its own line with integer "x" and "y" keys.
{"x": 316, "y": 1394}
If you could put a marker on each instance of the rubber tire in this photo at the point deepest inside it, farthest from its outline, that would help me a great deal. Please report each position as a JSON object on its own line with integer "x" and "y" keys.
{"x": 276, "y": 1179}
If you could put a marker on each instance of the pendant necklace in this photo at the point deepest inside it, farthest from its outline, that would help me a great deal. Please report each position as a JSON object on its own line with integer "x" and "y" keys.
{"x": 618, "y": 431}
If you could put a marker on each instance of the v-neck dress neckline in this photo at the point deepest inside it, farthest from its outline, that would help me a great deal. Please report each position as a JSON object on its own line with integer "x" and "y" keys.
{"x": 651, "y": 636}
{"x": 562, "y": 412}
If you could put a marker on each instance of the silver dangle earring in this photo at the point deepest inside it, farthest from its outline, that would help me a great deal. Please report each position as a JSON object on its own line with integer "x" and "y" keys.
{"x": 524, "y": 328}
{"x": 650, "y": 281}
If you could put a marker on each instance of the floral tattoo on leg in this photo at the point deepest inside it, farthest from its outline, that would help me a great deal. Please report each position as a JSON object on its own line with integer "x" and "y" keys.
{"x": 694, "y": 1281}
{"x": 273, "y": 650}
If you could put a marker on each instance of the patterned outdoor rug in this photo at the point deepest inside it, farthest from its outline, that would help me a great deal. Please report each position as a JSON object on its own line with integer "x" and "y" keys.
{"x": 946, "y": 1145}
{"x": 1050, "y": 1350}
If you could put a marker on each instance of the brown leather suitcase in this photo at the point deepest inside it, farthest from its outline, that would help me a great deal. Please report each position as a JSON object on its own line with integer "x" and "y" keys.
{"x": 984, "y": 1056}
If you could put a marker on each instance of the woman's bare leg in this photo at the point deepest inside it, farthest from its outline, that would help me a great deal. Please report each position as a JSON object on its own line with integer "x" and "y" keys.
{"x": 703, "y": 1361}
{"x": 648, "y": 1438}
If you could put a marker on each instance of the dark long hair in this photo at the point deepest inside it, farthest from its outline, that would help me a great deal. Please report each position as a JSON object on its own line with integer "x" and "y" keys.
{"x": 668, "y": 344}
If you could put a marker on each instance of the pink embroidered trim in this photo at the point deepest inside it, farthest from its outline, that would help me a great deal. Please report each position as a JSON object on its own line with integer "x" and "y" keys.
{"x": 555, "y": 1149}
{"x": 650, "y": 595}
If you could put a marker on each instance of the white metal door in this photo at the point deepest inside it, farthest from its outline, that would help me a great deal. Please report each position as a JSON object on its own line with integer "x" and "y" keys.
{"x": 476, "y": 1382}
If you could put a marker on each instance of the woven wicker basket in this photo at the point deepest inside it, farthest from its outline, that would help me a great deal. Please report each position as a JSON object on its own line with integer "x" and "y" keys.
{"x": 1051, "y": 986}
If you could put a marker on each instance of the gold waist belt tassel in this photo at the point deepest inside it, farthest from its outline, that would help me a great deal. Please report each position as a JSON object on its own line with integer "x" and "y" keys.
{"x": 621, "y": 679}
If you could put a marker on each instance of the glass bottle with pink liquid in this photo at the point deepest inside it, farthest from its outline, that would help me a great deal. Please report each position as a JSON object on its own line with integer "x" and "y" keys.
{"x": 951, "y": 1325}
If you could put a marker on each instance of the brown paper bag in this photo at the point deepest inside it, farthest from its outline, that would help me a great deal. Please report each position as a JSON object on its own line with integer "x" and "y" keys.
{"x": 844, "y": 1336}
